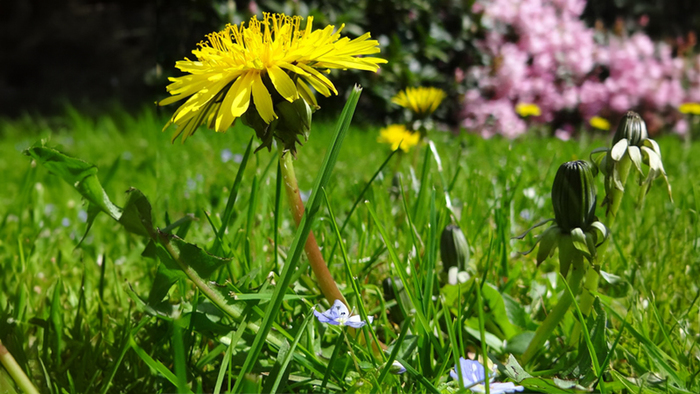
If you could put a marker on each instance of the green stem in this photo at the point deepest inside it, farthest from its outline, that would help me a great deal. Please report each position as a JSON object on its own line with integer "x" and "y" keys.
{"x": 593, "y": 276}
{"x": 214, "y": 296}
{"x": 16, "y": 371}
{"x": 623, "y": 171}
{"x": 586, "y": 301}
{"x": 556, "y": 315}
{"x": 325, "y": 281}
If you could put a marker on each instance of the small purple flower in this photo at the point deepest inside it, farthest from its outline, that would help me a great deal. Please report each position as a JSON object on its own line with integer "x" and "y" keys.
{"x": 397, "y": 368}
{"x": 339, "y": 315}
{"x": 473, "y": 377}
{"x": 226, "y": 155}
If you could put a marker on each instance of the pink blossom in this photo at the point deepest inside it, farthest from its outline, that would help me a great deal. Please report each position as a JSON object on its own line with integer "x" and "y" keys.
{"x": 541, "y": 52}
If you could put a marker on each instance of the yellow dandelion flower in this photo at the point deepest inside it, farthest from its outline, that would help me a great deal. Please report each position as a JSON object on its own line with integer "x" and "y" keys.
{"x": 270, "y": 60}
{"x": 599, "y": 123}
{"x": 398, "y": 135}
{"x": 528, "y": 109}
{"x": 423, "y": 101}
{"x": 690, "y": 108}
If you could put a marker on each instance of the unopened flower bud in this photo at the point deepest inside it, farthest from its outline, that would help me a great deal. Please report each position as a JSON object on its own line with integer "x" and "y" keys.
{"x": 454, "y": 248}
{"x": 632, "y": 128}
{"x": 574, "y": 196}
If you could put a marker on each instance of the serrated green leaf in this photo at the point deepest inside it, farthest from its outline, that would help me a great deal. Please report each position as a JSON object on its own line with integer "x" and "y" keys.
{"x": 136, "y": 216}
{"x": 78, "y": 173}
{"x": 164, "y": 280}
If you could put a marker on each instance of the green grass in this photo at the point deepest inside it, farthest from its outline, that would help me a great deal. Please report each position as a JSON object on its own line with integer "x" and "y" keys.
{"x": 72, "y": 317}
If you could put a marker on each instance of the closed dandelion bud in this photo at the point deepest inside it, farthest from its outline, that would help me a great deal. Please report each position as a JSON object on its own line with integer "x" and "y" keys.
{"x": 454, "y": 248}
{"x": 574, "y": 196}
{"x": 632, "y": 128}
{"x": 391, "y": 287}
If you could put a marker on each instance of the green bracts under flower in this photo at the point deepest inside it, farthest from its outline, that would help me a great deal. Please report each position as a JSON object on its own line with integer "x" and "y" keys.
{"x": 292, "y": 126}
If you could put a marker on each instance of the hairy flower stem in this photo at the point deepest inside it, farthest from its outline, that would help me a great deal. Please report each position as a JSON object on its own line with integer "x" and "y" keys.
{"x": 555, "y": 316}
{"x": 16, "y": 371}
{"x": 325, "y": 281}
{"x": 213, "y": 295}
{"x": 623, "y": 171}
{"x": 593, "y": 276}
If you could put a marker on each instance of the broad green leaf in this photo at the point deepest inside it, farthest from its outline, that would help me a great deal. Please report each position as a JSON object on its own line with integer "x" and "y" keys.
{"x": 136, "y": 216}
{"x": 78, "y": 173}
{"x": 497, "y": 310}
{"x": 165, "y": 278}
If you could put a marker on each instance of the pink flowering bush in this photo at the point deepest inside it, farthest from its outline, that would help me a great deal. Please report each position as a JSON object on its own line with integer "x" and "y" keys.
{"x": 541, "y": 52}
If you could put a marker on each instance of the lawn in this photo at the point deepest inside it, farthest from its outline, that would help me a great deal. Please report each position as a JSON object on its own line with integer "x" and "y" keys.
{"x": 86, "y": 317}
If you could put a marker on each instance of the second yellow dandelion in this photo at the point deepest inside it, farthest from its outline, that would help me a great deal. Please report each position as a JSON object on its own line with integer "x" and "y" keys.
{"x": 422, "y": 101}
{"x": 397, "y": 135}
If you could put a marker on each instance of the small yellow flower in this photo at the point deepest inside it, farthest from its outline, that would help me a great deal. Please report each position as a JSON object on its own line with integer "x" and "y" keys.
{"x": 398, "y": 135}
{"x": 423, "y": 101}
{"x": 274, "y": 53}
{"x": 599, "y": 123}
{"x": 528, "y": 109}
{"x": 690, "y": 108}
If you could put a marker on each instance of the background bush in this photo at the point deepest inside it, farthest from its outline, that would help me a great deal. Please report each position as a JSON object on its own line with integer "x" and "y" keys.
{"x": 95, "y": 53}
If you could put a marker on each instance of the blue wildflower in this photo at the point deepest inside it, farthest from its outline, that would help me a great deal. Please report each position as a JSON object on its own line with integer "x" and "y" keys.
{"x": 473, "y": 377}
{"x": 339, "y": 315}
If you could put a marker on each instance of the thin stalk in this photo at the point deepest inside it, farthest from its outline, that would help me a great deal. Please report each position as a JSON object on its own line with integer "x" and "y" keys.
{"x": 16, "y": 371}
{"x": 325, "y": 281}
{"x": 556, "y": 315}
{"x": 623, "y": 171}
{"x": 585, "y": 302}
{"x": 213, "y": 295}
{"x": 593, "y": 276}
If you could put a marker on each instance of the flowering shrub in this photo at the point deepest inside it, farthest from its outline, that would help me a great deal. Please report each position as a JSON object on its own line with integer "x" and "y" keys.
{"x": 541, "y": 52}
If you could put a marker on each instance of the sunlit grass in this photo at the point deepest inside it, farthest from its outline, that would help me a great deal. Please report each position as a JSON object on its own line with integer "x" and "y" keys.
{"x": 67, "y": 316}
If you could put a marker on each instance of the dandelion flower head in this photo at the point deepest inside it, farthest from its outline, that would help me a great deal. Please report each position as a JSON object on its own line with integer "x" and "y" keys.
{"x": 599, "y": 123}
{"x": 398, "y": 135}
{"x": 528, "y": 109}
{"x": 690, "y": 108}
{"x": 258, "y": 65}
{"x": 422, "y": 101}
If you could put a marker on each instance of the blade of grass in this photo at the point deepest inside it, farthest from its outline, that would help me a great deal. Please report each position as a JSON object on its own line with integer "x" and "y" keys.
{"x": 456, "y": 354}
{"x": 359, "y": 198}
{"x": 351, "y": 278}
{"x": 301, "y": 235}
{"x": 234, "y": 337}
{"x": 482, "y": 332}
{"x": 179, "y": 358}
{"x": 394, "y": 353}
{"x": 586, "y": 335}
{"x": 290, "y": 352}
{"x": 422, "y": 379}
{"x": 228, "y": 211}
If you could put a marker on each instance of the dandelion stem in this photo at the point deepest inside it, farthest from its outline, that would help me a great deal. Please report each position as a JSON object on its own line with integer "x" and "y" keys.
{"x": 323, "y": 276}
{"x": 555, "y": 316}
{"x": 623, "y": 171}
{"x": 213, "y": 295}
{"x": 585, "y": 302}
{"x": 16, "y": 371}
